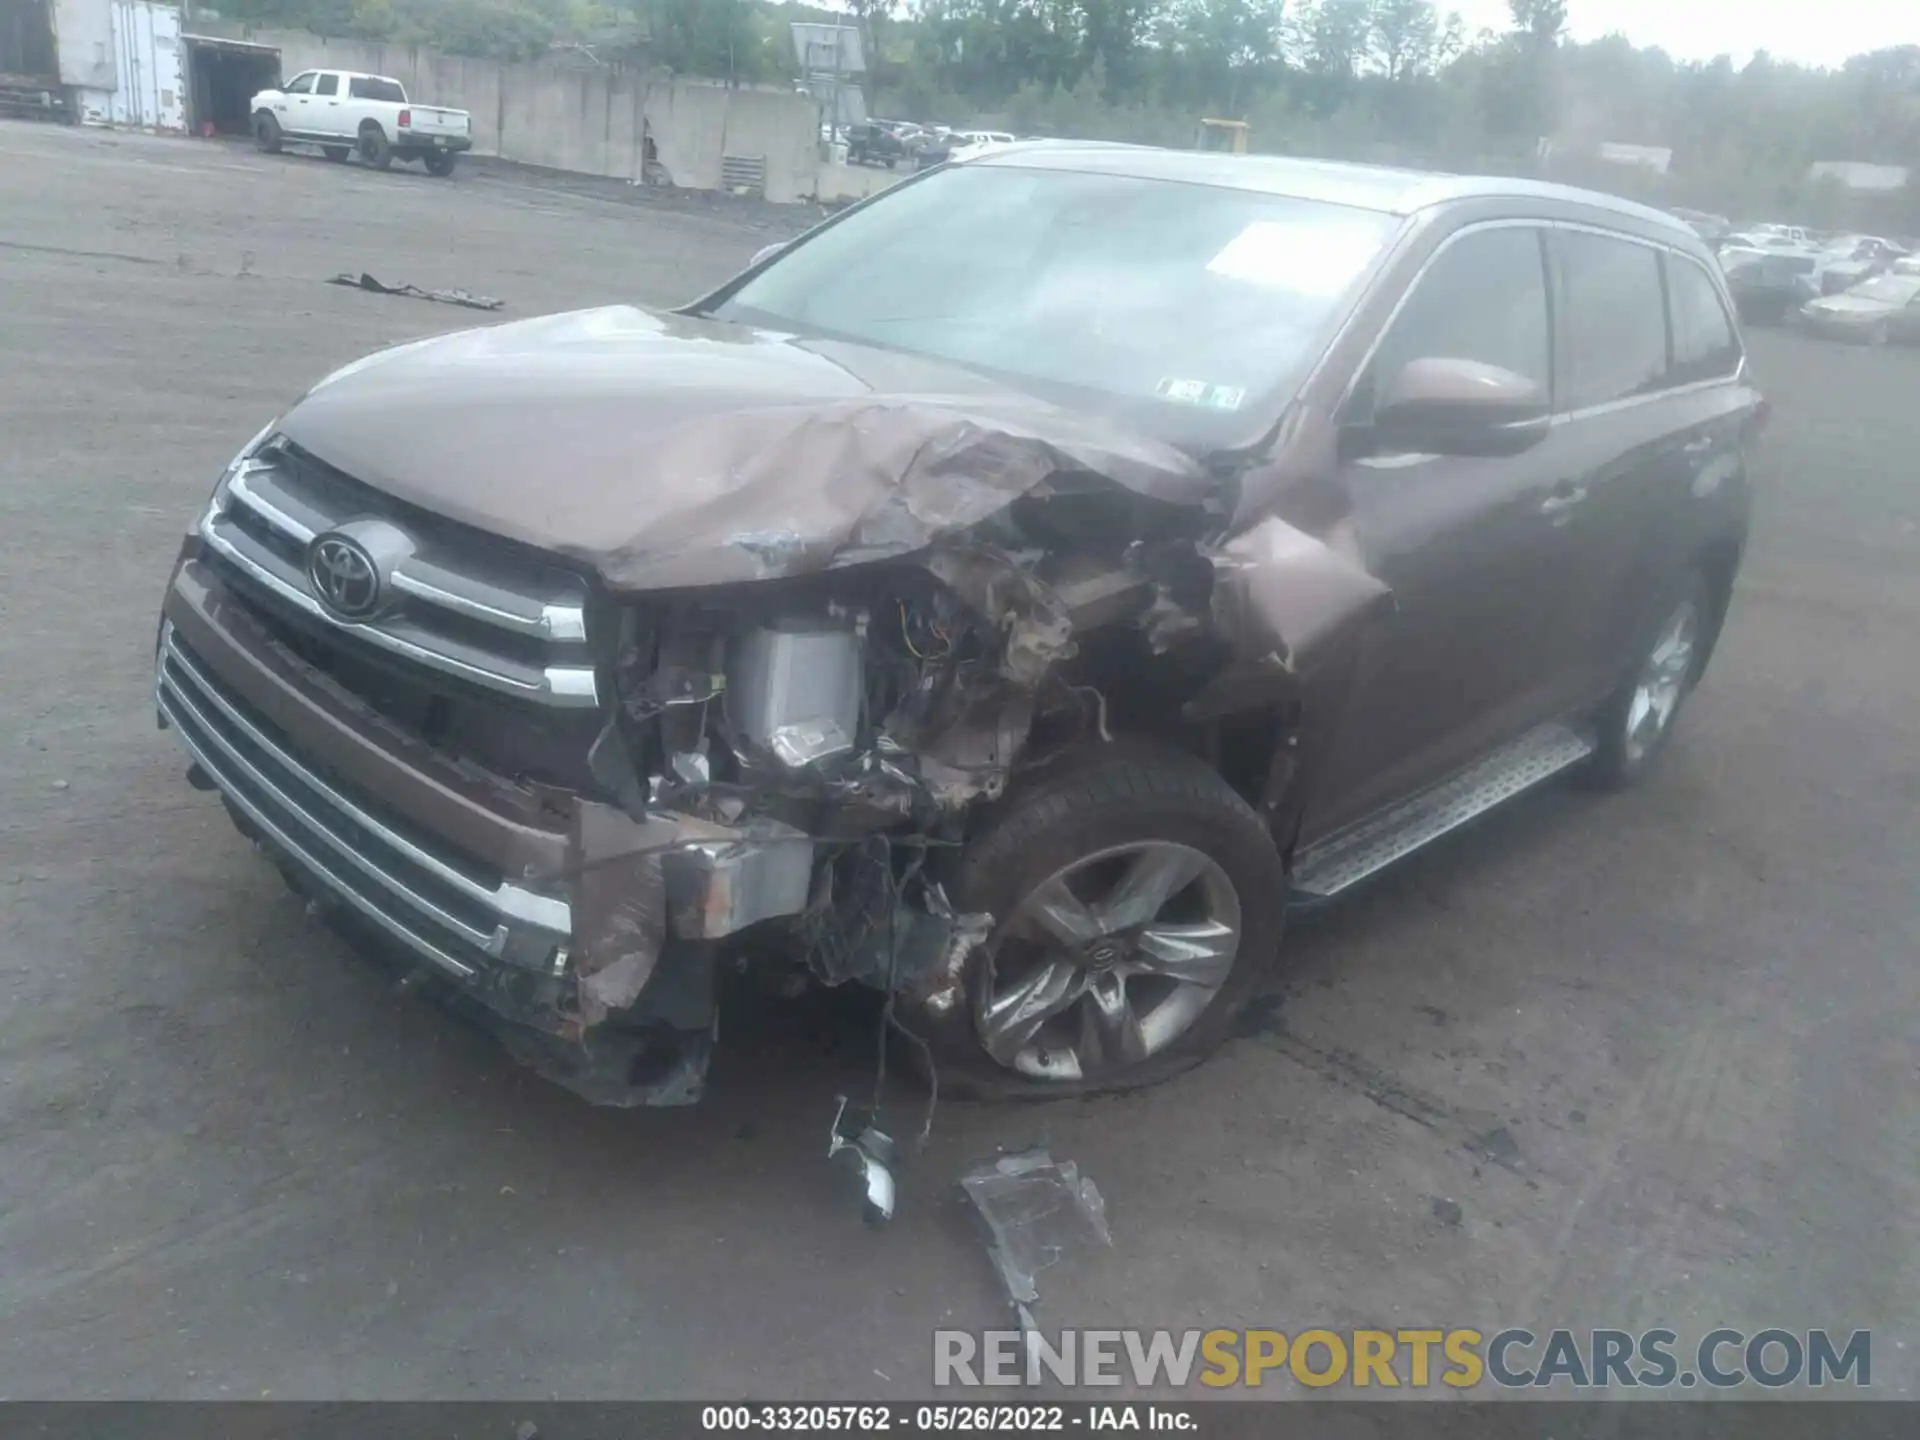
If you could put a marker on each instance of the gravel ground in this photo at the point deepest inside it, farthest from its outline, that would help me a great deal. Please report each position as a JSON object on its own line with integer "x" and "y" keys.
{"x": 1623, "y": 1061}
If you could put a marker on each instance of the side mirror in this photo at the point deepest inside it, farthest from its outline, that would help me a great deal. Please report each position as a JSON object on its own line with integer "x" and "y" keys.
{"x": 766, "y": 253}
{"x": 1443, "y": 406}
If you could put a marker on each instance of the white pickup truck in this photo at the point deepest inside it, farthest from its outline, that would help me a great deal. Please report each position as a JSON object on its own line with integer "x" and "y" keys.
{"x": 343, "y": 111}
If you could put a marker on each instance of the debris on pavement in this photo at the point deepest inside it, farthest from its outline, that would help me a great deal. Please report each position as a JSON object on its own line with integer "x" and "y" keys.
{"x": 1036, "y": 1211}
{"x": 364, "y": 281}
{"x": 871, "y": 1150}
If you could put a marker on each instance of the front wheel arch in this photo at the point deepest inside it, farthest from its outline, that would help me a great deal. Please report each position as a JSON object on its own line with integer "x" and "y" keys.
{"x": 1110, "y": 795}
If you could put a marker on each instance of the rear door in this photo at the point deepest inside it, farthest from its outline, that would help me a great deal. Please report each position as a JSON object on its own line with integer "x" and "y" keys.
{"x": 1472, "y": 547}
{"x": 1650, "y": 413}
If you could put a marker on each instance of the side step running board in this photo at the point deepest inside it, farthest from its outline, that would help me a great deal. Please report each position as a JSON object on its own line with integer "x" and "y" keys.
{"x": 1348, "y": 858}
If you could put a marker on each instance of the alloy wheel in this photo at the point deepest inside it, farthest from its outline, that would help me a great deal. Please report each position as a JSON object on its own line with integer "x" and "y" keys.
{"x": 1108, "y": 961}
{"x": 1662, "y": 682}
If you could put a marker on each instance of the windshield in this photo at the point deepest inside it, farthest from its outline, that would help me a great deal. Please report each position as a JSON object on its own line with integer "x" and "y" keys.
{"x": 1191, "y": 296}
{"x": 1893, "y": 289}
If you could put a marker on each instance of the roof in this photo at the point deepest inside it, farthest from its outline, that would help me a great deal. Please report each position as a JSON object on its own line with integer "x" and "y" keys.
{"x": 1367, "y": 187}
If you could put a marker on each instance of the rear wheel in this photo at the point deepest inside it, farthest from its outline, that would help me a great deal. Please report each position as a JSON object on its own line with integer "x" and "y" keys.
{"x": 375, "y": 148}
{"x": 439, "y": 162}
{"x": 1139, "y": 901}
{"x": 1638, "y": 720}
{"x": 337, "y": 153}
{"x": 266, "y": 133}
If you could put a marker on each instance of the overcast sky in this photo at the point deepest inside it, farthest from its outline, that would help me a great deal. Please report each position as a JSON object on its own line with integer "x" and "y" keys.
{"x": 1823, "y": 34}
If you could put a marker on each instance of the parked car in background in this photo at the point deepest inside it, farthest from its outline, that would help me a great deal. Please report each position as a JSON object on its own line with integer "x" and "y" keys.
{"x": 1851, "y": 259}
{"x": 959, "y": 143}
{"x": 1785, "y": 235}
{"x": 346, "y": 112}
{"x": 1767, "y": 284}
{"x": 883, "y": 142}
{"x": 1707, "y": 226}
{"x": 1875, "y": 312}
{"x": 1230, "y": 528}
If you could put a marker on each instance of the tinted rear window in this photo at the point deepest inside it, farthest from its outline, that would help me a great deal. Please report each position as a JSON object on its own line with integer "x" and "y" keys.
{"x": 362, "y": 87}
{"x": 1704, "y": 343}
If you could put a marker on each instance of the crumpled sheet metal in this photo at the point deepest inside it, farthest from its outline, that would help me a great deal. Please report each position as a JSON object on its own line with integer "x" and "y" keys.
{"x": 1037, "y": 1211}
{"x": 620, "y": 905}
{"x": 791, "y": 490}
{"x": 1282, "y": 599}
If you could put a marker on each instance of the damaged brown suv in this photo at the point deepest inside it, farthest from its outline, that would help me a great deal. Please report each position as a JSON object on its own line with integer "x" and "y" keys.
{"x": 1214, "y": 531}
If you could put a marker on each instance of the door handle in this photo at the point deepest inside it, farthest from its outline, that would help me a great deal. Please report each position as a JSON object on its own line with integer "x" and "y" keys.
{"x": 1563, "y": 499}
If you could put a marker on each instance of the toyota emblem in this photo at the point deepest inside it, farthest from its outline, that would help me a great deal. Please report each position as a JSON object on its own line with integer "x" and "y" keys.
{"x": 344, "y": 577}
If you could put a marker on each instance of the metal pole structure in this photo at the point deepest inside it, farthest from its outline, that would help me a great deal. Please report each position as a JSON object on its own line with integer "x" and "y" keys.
{"x": 833, "y": 133}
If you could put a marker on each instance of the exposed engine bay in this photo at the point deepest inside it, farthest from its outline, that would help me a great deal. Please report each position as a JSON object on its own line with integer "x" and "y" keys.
{"x": 799, "y": 758}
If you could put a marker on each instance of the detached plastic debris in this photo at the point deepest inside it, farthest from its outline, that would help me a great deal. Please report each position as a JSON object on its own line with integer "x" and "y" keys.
{"x": 871, "y": 1153}
{"x": 364, "y": 281}
{"x": 1036, "y": 1211}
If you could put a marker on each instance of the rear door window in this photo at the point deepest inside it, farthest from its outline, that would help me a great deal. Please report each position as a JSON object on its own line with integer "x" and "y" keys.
{"x": 368, "y": 87}
{"x": 1705, "y": 345}
{"x": 1613, "y": 319}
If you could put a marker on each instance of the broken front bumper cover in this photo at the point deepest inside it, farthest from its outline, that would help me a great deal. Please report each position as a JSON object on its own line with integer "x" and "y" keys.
{"x": 598, "y": 937}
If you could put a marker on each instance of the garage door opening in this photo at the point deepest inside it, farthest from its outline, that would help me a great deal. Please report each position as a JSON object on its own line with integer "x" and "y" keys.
{"x": 29, "y": 69}
{"x": 223, "y": 77}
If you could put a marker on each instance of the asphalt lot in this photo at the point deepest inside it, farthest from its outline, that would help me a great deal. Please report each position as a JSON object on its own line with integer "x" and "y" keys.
{"x": 1621, "y": 1061}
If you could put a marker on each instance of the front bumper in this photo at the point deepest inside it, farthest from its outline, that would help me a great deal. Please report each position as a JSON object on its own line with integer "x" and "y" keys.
{"x": 558, "y": 914}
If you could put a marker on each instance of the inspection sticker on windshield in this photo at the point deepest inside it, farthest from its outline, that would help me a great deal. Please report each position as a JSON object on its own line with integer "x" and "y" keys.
{"x": 1199, "y": 392}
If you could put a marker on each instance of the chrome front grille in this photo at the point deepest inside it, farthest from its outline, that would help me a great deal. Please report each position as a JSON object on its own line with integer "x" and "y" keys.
{"x": 442, "y": 905}
{"x": 483, "y": 613}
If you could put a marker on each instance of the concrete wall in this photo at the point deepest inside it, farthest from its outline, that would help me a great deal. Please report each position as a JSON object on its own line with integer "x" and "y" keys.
{"x": 593, "y": 120}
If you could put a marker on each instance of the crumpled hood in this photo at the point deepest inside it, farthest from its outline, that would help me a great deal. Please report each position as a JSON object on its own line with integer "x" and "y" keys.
{"x": 663, "y": 450}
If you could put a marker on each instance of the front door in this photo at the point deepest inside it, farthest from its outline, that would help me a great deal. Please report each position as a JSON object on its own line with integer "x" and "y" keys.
{"x": 1473, "y": 549}
{"x": 296, "y": 110}
{"x": 324, "y": 110}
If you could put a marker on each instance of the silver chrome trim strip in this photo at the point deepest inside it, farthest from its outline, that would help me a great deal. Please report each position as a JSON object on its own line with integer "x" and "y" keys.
{"x": 540, "y": 912}
{"x": 239, "y": 489}
{"x": 555, "y": 622}
{"x": 174, "y": 701}
{"x": 253, "y": 812}
{"x": 571, "y": 686}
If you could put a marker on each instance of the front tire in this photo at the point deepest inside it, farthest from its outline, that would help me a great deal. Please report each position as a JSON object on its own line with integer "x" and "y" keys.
{"x": 1139, "y": 903}
{"x": 266, "y": 133}
{"x": 375, "y": 148}
{"x": 1636, "y": 724}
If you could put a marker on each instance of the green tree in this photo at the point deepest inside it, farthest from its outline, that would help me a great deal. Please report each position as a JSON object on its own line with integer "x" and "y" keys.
{"x": 1403, "y": 37}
